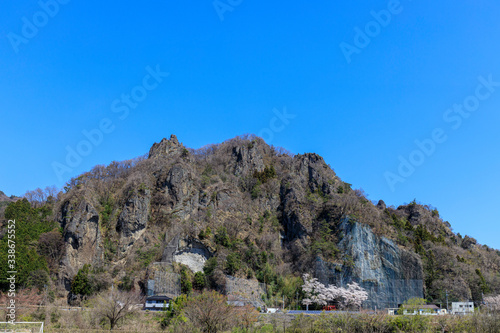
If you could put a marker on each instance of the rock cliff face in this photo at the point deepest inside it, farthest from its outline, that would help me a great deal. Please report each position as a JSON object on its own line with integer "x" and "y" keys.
{"x": 290, "y": 215}
{"x": 192, "y": 253}
{"x": 390, "y": 274}
{"x": 248, "y": 159}
{"x": 133, "y": 219}
{"x": 166, "y": 147}
{"x": 80, "y": 223}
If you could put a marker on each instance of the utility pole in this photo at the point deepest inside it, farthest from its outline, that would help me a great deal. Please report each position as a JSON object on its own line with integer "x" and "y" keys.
{"x": 447, "y": 300}
{"x": 45, "y": 296}
{"x": 482, "y": 301}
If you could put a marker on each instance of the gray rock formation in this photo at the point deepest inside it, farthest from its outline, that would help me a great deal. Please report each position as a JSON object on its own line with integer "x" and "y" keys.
{"x": 390, "y": 274}
{"x": 81, "y": 232}
{"x": 166, "y": 148}
{"x": 381, "y": 205}
{"x": 188, "y": 251}
{"x": 177, "y": 191}
{"x": 248, "y": 159}
{"x": 133, "y": 219}
{"x": 294, "y": 218}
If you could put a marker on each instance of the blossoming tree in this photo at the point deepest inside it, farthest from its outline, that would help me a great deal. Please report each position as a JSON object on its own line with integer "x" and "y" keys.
{"x": 317, "y": 293}
{"x": 492, "y": 303}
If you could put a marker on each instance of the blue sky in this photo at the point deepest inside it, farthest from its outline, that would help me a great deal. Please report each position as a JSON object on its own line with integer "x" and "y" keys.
{"x": 233, "y": 66}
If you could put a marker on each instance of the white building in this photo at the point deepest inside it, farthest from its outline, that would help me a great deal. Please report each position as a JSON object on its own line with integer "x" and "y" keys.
{"x": 157, "y": 303}
{"x": 462, "y": 308}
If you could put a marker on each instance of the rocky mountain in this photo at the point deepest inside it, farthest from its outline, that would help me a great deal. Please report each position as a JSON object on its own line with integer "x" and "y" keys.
{"x": 253, "y": 211}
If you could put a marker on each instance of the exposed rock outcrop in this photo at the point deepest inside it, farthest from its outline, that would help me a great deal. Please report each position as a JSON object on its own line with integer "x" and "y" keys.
{"x": 133, "y": 219}
{"x": 279, "y": 212}
{"x": 390, "y": 274}
{"x": 81, "y": 232}
{"x": 187, "y": 251}
{"x": 165, "y": 147}
{"x": 248, "y": 159}
{"x": 192, "y": 253}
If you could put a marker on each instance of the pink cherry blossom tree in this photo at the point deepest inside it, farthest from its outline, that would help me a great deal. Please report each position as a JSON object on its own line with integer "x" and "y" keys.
{"x": 317, "y": 293}
{"x": 492, "y": 303}
{"x": 354, "y": 296}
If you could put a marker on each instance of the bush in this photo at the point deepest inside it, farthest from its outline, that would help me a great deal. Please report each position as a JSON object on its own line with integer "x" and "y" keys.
{"x": 186, "y": 284}
{"x": 233, "y": 263}
{"x": 221, "y": 237}
{"x": 81, "y": 282}
{"x": 210, "y": 266}
{"x": 256, "y": 190}
{"x": 210, "y": 312}
{"x": 265, "y": 175}
{"x": 38, "y": 279}
{"x": 174, "y": 312}
{"x": 148, "y": 256}
{"x": 126, "y": 283}
{"x": 199, "y": 281}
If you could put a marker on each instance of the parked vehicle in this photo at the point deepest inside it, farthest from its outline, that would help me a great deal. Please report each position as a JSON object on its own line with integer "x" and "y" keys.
{"x": 329, "y": 308}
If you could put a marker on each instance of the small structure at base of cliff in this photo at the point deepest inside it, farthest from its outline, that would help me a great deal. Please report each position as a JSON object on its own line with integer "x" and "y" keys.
{"x": 165, "y": 282}
{"x": 388, "y": 273}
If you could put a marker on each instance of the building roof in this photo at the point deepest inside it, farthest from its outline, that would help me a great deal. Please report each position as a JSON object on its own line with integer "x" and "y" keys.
{"x": 158, "y": 298}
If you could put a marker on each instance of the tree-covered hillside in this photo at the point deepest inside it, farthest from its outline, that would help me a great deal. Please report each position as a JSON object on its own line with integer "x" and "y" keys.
{"x": 263, "y": 213}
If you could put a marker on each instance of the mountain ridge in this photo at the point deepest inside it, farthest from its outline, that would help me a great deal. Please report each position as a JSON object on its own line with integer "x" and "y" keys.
{"x": 265, "y": 214}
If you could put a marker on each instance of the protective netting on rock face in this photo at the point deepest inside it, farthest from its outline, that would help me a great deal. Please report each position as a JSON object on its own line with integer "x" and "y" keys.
{"x": 247, "y": 291}
{"x": 165, "y": 282}
{"x": 385, "y": 290}
{"x": 388, "y": 293}
{"x": 193, "y": 258}
{"x": 391, "y": 293}
{"x": 390, "y": 274}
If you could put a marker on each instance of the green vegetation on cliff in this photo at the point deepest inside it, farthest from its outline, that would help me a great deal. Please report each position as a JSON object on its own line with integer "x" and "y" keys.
{"x": 263, "y": 212}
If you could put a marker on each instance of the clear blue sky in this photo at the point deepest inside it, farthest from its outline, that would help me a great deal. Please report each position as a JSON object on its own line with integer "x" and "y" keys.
{"x": 227, "y": 76}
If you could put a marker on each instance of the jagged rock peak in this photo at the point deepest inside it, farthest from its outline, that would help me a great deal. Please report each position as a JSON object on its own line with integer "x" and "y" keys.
{"x": 166, "y": 147}
{"x": 381, "y": 205}
{"x": 173, "y": 139}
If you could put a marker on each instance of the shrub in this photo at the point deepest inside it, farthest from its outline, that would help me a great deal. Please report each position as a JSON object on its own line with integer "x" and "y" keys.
{"x": 221, "y": 237}
{"x": 81, "y": 282}
{"x": 256, "y": 190}
{"x": 186, "y": 284}
{"x": 126, "y": 283}
{"x": 265, "y": 175}
{"x": 210, "y": 312}
{"x": 233, "y": 263}
{"x": 210, "y": 266}
{"x": 199, "y": 281}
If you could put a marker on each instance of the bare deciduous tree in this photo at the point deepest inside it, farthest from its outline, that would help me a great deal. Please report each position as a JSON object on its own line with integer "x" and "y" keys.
{"x": 51, "y": 245}
{"x": 25, "y": 299}
{"x": 247, "y": 316}
{"x": 39, "y": 197}
{"x": 210, "y": 312}
{"x": 115, "y": 305}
